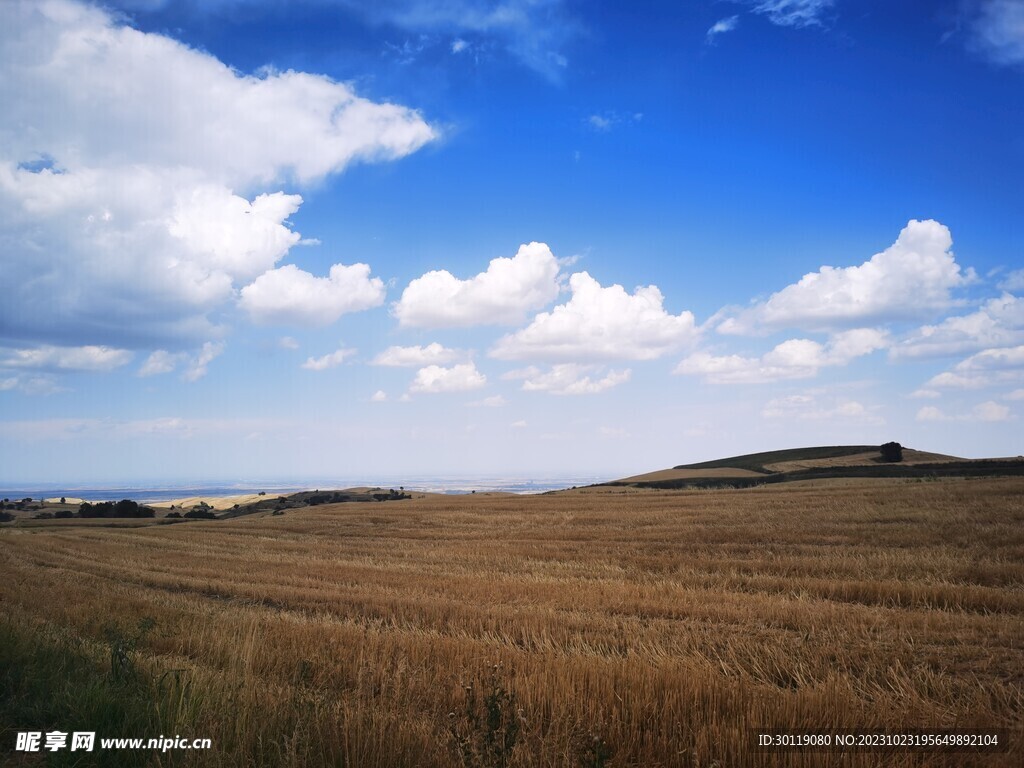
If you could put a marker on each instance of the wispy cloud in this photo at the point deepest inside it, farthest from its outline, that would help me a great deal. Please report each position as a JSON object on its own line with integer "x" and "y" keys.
{"x": 997, "y": 31}
{"x": 720, "y": 27}
{"x": 792, "y": 13}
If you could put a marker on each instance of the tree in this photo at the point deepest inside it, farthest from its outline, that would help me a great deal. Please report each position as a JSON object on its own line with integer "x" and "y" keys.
{"x": 892, "y": 452}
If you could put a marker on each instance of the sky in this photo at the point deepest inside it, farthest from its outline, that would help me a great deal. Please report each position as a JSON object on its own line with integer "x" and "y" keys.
{"x": 255, "y": 240}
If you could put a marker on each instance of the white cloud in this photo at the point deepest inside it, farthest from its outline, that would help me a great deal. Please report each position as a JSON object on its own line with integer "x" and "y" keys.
{"x": 610, "y": 119}
{"x": 287, "y": 342}
{"x": 791, "y": 13}
{"x": 1017, "y": 394}
{"x": 808, "y": 407}
{"x": 161, "y": 361}
{"x": 331, "y": 360}
{"x": 54, "y": 358}
{"x": 1014, "y": 281}
{"x": 518, "y": 424}
{"x": 912, "y": 277}
{"x": 502, "y": 295}
{"x": 598, "y": 324}
{"x": 999, "y": 322}
{"x": 792, "y": 359}
{"x": 380, "y": 396}
{"x": 533, "y": 31}
{"x": 197, "y": 366}
{"x": 989, "y": 359}
{"x": 998, "y": 31}
{"x": 949, "y": 380}
{"x": 459, "y": 45}
{"x": 128, "y": 213}
{"x": 432, "y": 354}
{"x": 930, "y": 413}
{"x": 570, "y": 379}
{"x": 289, "y": 296}
{"x": 232, "y": 235}
{"x": 722, "y": 26}
{"x": 925, "y": 394}
{"x": 989, "y": 411}
{"x": 458, "y": 378}
{"x": 30, "y": 384}
{"x": 987, "y": 368}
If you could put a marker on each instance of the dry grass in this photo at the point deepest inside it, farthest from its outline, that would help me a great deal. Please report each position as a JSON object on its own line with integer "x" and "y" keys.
{"x": 688, "y": 474}
{"x": 869, "y": 458}
{"x": 648, "y": 628}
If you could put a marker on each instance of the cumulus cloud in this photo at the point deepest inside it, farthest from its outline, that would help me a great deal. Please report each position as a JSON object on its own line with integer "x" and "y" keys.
{"x": 1014, "y": 281}
{"x": 572, "y": 379}
{"x": 290, "y": 296}
{"x": 54, "y": 358}
{"x": 331, "y": 360}
{"x": 232, "y": 235}
{"x": 911, "y": 278}
{"x": 997, "y": 31}
{"x": 792, "y": 359}
{"x": 380, "y": 396}
{"x": 999, "y": 322}
{"x": 809, "y": 407}
{"x": 129, "y": 213}
{"x": 989, "y": 411}
{"x": 412, "y": 357}
{"x": 501, "y": 295}
{"x": 458, "y": 378}
{"x": 161, "y": 361}
{"x": 720, "y": 27}
{"x": 989, "y": 359}
{"x": 987, "y": 368}
{"x": 600, "y": 323}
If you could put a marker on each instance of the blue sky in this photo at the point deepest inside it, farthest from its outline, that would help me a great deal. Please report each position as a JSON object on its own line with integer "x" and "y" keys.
{"x": 327, "y": 238}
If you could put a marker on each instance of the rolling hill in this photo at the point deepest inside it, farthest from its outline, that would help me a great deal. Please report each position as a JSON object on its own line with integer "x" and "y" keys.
{"x": 818, "y": 462}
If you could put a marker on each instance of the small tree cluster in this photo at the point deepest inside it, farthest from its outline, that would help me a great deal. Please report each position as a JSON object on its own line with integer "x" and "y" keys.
{"x": 122, "y": 508}
{"x": 892, "y": 452}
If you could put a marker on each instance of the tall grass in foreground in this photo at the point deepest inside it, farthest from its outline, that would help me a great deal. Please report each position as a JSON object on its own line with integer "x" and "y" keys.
{"x": 581, "y": 629}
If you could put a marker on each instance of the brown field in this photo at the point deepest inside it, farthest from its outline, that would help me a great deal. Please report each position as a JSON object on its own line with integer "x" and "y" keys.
{"x": 611, "y": 628}
{"x": 910, "y": 457}
{"x": 689, "y": 474}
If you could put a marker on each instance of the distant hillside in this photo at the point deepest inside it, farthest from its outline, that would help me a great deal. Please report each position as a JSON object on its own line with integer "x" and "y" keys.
{"x": 816, "y": 463}
{"x": 756, "y": 461}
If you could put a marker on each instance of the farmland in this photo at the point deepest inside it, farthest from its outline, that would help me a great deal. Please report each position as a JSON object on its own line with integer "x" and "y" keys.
{"x": 594, "y": 627}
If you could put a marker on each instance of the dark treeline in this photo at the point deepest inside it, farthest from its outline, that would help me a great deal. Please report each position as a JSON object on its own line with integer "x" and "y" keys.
{"x": 122, "y": 508}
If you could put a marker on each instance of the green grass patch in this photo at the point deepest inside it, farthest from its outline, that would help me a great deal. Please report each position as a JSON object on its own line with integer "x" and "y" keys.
{"x": 53, "y": 681}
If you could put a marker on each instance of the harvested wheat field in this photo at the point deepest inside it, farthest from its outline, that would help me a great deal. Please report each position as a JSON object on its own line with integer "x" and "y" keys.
{"x": 632, "y": 628}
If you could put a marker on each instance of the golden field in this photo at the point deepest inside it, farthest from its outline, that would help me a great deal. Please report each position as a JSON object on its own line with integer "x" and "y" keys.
{"x": 596, "y": 627}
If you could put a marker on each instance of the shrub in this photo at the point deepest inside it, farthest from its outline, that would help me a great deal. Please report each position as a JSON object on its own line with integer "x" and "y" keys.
{"x": 892, "y": 452}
